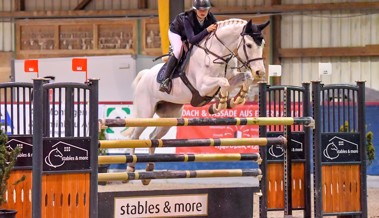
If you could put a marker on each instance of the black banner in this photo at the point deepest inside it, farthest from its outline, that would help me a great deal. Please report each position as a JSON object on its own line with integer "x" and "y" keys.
{"x": 296, "y": 142}
{"x": 24, "y": 159}
{"x": 340, "y": 147}
{"x": 66, "y": 154}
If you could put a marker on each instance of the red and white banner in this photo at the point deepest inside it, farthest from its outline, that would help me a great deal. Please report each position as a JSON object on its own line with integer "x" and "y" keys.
{"x": 250, "y": 131}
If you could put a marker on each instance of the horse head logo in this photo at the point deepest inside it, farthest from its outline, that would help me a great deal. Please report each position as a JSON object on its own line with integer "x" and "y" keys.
{"x": 331, "y": 151}
{"x": 54, "y": 158}
{"x": 276, "y": 151}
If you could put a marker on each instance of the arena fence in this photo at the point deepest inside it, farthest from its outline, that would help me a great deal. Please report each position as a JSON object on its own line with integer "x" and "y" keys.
{"x": 55, "y": 111}
{"x": 286, "y": 180}
{"x": 339, "y": 149}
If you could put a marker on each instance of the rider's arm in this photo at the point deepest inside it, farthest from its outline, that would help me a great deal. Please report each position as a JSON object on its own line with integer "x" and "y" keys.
{"x": 191, "y": 37}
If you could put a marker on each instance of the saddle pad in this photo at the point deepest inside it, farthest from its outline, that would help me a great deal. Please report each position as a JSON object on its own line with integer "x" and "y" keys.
{"x": 163, "y": 69}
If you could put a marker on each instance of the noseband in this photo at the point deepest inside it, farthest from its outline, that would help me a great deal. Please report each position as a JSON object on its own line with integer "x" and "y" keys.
{"x": 248, "y": 61}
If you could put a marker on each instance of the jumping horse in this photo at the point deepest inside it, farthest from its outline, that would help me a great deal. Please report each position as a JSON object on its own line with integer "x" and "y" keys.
{"x": 229, "y": 58}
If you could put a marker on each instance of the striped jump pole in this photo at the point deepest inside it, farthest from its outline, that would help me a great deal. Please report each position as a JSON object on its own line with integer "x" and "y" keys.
{"x": 178, "y": 174}
{"x": 261, "y": 121}
{"x": 121, "y": 159}
{"x": 154, "y": 143}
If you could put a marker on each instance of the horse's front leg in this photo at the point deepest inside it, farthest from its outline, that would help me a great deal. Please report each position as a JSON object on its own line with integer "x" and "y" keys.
{"x": 243, "y": 80}
{"x": 239, "y": 98}
{"x": 220, "y": 104}
{"x": 209, "y": 85}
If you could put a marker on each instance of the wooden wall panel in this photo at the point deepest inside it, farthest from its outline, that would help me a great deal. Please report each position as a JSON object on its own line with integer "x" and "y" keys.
{"x": 65, "y": 197}
{"x": 340, "y": 190}
{"x": 275, "y": 195}
{"x": 7, "y": 5}
{"x": 5, "y": 66}
{"x": 6, "y": 36}
{"x": 275, "y": 178}
{"x": 151, "y": 40}
{"x": 328, "y": 29}
{"x": 19, "y": 196}
{"x": 67, "y": 38}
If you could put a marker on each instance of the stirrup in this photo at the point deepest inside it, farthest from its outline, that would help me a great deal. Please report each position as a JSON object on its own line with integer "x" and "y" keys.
{"x": 165, "y": 86}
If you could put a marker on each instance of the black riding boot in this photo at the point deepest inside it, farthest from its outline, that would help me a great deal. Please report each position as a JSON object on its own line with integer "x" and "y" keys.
{"x": 166, "y": 82}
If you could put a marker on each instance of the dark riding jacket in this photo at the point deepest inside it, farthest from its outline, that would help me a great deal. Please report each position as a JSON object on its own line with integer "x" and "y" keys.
{"x": 188, "y": 27}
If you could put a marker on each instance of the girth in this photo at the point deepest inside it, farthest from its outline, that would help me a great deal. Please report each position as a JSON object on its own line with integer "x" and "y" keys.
{"x": 197, "y": 100}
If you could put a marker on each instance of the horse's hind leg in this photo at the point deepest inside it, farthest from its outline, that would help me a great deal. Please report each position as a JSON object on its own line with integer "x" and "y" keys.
{"x": 158, "y": 133}
{"x": 166, "y": 110}
{"x": 137, "y": 131}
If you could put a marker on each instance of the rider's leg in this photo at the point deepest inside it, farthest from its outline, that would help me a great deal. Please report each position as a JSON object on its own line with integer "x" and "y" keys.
{"x": 165, "y": 85}
{"x": 176, "y": 44}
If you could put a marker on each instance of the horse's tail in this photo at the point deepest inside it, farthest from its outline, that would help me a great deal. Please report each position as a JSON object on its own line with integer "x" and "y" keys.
{"x": 138, "y": 78}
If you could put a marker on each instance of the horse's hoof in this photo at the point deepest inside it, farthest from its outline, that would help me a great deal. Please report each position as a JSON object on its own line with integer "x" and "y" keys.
{"x": 146, "y": 181}
{"x": 149, "y": 167}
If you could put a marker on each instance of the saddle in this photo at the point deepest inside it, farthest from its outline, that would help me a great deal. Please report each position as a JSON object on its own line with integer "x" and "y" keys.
{"x": 197, "y": 100}
{"x": 179, "y": 66}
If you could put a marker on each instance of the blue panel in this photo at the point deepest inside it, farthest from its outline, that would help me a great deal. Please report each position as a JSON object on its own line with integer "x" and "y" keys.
{"x": 372, "y": 122}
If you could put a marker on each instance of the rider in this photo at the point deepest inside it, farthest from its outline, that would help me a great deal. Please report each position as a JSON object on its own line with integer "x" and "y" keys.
{"x": 192, "y": 25}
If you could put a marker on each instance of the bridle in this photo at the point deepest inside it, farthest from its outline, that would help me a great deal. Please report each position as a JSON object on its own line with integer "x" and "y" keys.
{"x": 226, "y": 58}
{"x": 248, "y": 61}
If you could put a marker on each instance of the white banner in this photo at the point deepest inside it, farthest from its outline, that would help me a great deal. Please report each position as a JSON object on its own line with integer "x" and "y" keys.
{"x": 161, "y": 206}
{"x": 17, "y": 119}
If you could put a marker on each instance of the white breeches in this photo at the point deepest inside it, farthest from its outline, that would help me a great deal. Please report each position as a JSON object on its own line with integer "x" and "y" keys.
{"x": 176, "y": 43}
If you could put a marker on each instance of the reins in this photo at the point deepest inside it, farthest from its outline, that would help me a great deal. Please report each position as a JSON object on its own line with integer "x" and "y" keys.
{"x": 225, "y": 59}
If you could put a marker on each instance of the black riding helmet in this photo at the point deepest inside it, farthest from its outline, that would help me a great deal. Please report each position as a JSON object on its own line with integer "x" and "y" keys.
{"x": 201, "y": 4}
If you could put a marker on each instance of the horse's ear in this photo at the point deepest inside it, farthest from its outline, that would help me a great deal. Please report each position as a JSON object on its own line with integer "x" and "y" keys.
{"x": 249, "y": 27}
{"x": 263, "y": 25}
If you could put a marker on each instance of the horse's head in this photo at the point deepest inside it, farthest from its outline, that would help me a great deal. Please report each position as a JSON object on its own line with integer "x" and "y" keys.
{"x": 250, "y": 49}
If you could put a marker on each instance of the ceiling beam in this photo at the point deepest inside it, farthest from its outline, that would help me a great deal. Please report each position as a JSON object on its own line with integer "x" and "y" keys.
{"x": 366, "y": 51}
{"x": 82, "y": 5}
{"x": 264, "y": 9}
{"x": 291, "y": 8}
{"x": 80, "y": 13}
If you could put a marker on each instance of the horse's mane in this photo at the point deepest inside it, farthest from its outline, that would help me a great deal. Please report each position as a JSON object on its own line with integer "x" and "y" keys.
{"x": 226, "y": 27}
{"x": 231, "y": 21}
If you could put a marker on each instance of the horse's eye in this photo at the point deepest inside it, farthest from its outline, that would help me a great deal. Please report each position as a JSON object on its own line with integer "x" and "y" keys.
{"x": 249, "y": 45}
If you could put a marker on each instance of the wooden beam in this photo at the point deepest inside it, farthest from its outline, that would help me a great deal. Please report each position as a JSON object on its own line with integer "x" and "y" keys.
{"x": 264, "y": 9}
{"x": 276, "y": 38}
{"x": 291, "y": 8}
{"x": 142, "y": 4}
{"x": 276, "y": 42}
{"x": 80, "y": 13}
{"x": 273, "y": 2}
{"x": 276, "y": 34}
{"x": 366, "y": 51}
{"x": 82, "y": 5}
{"x": 19, "y": 5}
